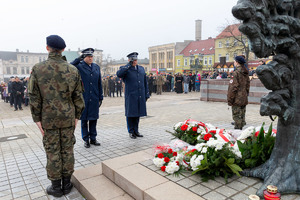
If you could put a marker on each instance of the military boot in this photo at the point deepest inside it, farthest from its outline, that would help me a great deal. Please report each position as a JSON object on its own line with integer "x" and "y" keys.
{"x": 55, "y": 188}
{"x": 66, "y": 185}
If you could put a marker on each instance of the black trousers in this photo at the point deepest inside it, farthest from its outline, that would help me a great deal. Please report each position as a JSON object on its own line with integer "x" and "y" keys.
{"x": 133, "y": 124}
{"x": 119, "y": 90}
{"x": 18, "y": 101}
{"x": 88, "y": 130}
{"x": 11, "y": 99}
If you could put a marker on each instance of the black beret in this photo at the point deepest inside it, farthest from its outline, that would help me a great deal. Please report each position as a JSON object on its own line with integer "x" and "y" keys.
{"x": 240, "y": 59}
{"x": 56, "y": 42}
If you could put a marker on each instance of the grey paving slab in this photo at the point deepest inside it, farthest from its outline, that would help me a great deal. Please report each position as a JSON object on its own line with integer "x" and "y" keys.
{"x": 25, "y": 158}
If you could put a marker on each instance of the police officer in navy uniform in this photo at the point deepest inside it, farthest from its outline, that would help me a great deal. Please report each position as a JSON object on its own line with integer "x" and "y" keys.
{"x": 136, "y": 93}
{"x": 93, "y": 95}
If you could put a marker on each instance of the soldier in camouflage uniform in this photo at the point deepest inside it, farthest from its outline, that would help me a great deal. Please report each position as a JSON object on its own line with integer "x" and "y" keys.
{"x": 56, "y": 103}
{"x": 159, "y": 82}
{"x": 238, "y": 91}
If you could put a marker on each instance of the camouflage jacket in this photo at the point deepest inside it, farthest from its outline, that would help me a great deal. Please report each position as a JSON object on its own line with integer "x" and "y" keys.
{"x": 55, "y": 92}
{"x": 238, "y": 89}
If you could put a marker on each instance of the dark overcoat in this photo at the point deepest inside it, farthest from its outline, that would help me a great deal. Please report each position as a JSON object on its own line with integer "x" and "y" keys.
{"x": 93, "y": 93}
{"x": 136, "y": 90}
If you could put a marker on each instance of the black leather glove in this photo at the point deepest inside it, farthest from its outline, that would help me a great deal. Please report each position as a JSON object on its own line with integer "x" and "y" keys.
{"x": 81, "y": 57}
{"x": 100, "y": 103}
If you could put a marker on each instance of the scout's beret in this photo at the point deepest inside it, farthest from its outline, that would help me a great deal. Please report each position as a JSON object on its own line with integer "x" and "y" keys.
{"x": 240, "y": 59}
{"x": 56, "y": 42}
{"x": 133, "y": 56}
{"x": 88, "y": 52}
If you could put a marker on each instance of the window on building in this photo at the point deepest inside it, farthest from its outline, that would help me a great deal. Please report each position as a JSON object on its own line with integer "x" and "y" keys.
{"x": 44, "y": 58}
{"x": 40, "y": 59}
{"x": 185, "y": 62}
{"x": 22, "y": 58}
{"x": 170, "y": 55}
{"x": 178, "y": 62}
{"x": 235, "y": 42}
{"x": 205, "y": 61}
{"x": 227, "y": 43}
{"x": 22, "y": 70}
{"x": 154, "y": 57}
{"x": 227, "y": 57}
{"x": 26, "y": 59}
{"x": 8, "y": 71}
{"x": 15, "y": 70}
{"x": 235, "y": 55}
{"x": 27, "y": 70}
{"x": 220, "y": 44}
{"x": 210, "y": 60}
{"x": 220, "y": 55}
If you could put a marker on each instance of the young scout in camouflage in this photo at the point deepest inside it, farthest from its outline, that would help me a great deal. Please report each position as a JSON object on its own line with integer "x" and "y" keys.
{"x": 56, "y": 103}
{"x": 238, "y": 91}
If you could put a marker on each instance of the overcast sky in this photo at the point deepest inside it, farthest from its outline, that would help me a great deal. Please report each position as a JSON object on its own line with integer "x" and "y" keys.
{"x": 118, "y": 27}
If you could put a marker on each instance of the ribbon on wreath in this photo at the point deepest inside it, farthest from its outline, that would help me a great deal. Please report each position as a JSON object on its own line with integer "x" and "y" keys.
{"x": 224, "y": 137}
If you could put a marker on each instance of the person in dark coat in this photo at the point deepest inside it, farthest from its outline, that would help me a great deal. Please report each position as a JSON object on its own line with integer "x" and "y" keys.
{"x": 119, "y": 86}
{"x": 9, "y": 89}
{"x": 18, "y": 92}
{"x": 178, "y": 83}
{"x": 150, "y": 84}
{"x": 93, "y": 95}
{"x": 111, "y": 86}
{"x": 136, "y": 93}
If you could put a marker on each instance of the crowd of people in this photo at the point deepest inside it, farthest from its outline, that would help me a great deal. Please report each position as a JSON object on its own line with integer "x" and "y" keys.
{"x": 15, "y": 92}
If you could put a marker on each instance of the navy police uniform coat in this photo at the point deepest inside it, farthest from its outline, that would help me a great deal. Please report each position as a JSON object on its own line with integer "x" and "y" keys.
{"x": 136, "y": 90}
{"x": 91, "y": 77}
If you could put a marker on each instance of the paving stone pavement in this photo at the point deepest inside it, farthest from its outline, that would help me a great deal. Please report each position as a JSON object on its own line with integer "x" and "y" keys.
{"x": 23, "y": 160}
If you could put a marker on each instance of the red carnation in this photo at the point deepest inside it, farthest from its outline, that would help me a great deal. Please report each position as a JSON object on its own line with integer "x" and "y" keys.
{"x": 184, "y": 127}
{"x": 174, "y": 153}
{"x": 195, "y": 129}
{"x": 166, "y": 159}
{"x": 207, "y": 136}
{"x": 160, "y": 155}
{"x": 213, "y": 131}
{"x": 170, "y": 151}
{"x": 163, "y": 168}
{"x": 177, "y": 162}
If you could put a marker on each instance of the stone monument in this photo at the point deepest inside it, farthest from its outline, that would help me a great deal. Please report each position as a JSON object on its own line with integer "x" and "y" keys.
{"x": 273, "y": 29}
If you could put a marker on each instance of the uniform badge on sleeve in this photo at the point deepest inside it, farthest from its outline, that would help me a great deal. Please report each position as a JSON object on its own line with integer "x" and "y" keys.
{"x": 231, "y": 81}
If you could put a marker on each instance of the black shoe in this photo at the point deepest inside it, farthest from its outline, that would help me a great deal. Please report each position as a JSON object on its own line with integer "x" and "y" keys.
{"x": 55, "y": 189}
{"x": 87, "y": 144}
{"x": 132, "y": 136}
{"x": 66, "y": 185}
{"x": 137, "y": 134}
{"x": 15, "y": 109}
{"x": 21, "y": 108}
{"x": 232, "y": 123}
{"x": 95, "y": 142}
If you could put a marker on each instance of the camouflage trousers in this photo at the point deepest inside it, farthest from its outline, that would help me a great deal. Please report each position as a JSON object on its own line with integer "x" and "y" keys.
{"x": 238, "y": 115}
{"x": 159, "y": 89}
{"x": 59, "y": 145}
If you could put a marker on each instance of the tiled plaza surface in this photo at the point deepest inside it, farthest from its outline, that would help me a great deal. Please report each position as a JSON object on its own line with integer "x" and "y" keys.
{"x": 23, "y": 160}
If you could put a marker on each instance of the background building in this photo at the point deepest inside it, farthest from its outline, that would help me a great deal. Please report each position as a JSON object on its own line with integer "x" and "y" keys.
{"x": 19, "y": 63}
{"x": 197, "y": 56}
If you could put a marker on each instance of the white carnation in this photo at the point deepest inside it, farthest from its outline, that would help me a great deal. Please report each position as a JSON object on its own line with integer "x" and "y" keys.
{"x": 201, "y": 130}
{"x": 172, "y": 167}
{"x": 210, "y": 126}
{"x": 158, "y": 162}
{"x": 179, "y": 124}
{"x": 204, "y": 150}
{"x": 199, "y": 146}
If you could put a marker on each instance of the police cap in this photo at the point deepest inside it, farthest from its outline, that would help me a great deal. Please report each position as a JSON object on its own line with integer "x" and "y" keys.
{"x": 56, "y": 42}
{"x": 133, "y": 56}
{"x": 88, "y": 52}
